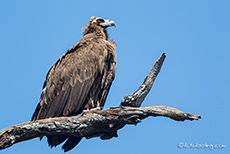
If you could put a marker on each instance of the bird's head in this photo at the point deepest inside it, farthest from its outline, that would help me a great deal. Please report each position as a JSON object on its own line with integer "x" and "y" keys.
{"x": 97, "y": 26}
{"x": 101, "y": 22}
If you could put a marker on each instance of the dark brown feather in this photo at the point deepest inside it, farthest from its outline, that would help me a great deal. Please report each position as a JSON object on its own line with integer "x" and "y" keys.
{"x": 81, "y": 78}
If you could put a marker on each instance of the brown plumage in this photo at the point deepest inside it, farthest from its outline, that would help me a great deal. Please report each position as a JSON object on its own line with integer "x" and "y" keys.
{"x": 80, "y": 79}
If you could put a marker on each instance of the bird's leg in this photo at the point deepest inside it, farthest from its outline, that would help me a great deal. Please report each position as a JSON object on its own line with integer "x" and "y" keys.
{"x": 96, "y": 108}
{"x": 91, "y": 107}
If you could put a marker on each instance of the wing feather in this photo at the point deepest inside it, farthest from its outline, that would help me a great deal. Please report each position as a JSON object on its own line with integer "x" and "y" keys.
{"x": 69, "y": 81}
{"x": 110, "y": 72}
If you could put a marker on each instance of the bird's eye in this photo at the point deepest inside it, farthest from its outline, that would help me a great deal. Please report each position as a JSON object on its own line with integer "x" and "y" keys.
{"x": 100, "y": 20}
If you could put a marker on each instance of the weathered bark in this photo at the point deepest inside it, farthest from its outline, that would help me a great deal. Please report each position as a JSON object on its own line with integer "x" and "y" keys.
{"x": 136, "y": 99}
{"x": 94, "y": 123}
{"x": 102, "y": 123}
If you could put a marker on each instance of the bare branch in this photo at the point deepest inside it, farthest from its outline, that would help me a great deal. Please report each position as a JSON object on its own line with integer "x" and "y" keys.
{"x": 90, "y": 124}
{"x": 136, "y": 99}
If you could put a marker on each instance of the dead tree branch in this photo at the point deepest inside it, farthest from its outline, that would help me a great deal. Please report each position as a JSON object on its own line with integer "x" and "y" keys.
{"x": 136, "y": 99}
{"x": 103, "y": 123}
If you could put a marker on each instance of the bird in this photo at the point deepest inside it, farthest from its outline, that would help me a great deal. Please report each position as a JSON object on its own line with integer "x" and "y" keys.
{"x": 80, "y": 79}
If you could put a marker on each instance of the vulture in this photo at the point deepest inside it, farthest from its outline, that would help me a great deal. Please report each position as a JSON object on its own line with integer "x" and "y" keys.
{"x": 80, "y": 79}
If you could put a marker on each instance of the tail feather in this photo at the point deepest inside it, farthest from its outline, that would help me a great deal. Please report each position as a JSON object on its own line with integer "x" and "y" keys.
{"x": 53, "y": 140}
{"x": 71, "y": 143}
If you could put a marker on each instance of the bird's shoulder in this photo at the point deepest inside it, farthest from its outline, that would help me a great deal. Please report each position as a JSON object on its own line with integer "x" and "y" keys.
{"x": 81, "y": 61}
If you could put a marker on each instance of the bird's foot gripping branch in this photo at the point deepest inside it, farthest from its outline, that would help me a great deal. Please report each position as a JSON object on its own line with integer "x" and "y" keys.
{"x": 97, "y": 123}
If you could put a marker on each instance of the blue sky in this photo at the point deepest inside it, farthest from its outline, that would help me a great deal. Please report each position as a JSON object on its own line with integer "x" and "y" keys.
{"x": 194, "y": 34}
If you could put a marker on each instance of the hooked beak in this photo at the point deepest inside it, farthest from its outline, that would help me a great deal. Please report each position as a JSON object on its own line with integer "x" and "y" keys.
{"x": 108, "y": 23}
